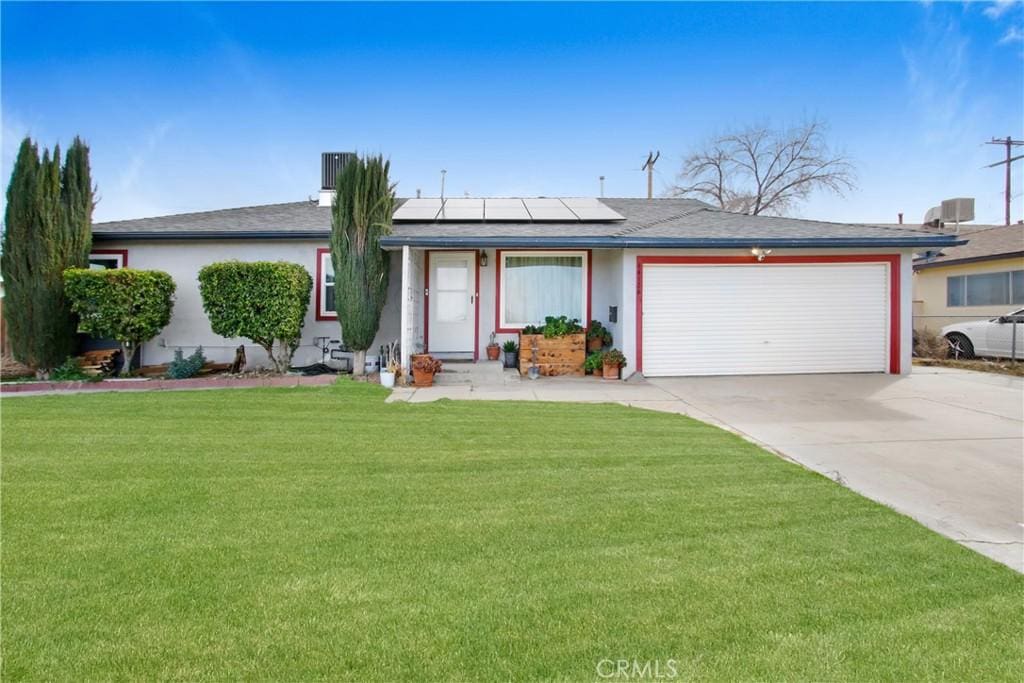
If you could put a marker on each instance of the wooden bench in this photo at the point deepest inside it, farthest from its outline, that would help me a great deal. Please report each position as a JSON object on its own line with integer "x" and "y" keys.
{"x": 101, "y": 362}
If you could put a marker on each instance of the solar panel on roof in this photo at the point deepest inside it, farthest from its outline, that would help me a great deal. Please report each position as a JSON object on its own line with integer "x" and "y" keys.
{"x": 548, "y": 209}
{"x": 505, "y": 210}
{"x": 462, "y": 209}
{"x": 515, "y": 209}
{"x": 424, "y": 209}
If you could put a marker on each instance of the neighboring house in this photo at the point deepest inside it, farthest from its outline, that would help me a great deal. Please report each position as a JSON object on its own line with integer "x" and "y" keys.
{"x": 981, "y": 279}
{"x": 685, "y": 288}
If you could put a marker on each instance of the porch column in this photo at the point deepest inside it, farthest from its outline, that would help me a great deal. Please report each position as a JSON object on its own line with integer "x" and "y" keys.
{"x": 408, "y": 290}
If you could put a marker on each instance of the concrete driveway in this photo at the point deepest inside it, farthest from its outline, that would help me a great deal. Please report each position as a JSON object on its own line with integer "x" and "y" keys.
{"x": 940, "y": 445}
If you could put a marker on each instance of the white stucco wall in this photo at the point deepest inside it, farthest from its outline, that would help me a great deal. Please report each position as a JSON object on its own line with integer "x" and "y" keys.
{"x": 189, "y": 326}
{"x": 613, "y": 284}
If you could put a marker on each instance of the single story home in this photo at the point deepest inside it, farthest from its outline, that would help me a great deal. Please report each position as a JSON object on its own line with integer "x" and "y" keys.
{"x": 684, "y": 287}
{"x": 981, "y": 279}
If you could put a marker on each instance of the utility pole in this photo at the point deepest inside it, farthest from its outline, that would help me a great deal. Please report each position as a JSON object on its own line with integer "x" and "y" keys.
{"x": 1009, "y": 143}
{"x": 652, "y": 158}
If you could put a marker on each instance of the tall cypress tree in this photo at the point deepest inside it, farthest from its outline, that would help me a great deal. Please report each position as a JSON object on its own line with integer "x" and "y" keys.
{"x": 47, "y": 229}
{"x": 363, "y": 204}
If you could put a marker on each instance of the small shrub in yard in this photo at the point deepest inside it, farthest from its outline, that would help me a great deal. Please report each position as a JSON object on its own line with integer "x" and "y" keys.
{"x": 183, "y": 368}
{"x": 69, "y": 371}
{"x": 928, "y": 344}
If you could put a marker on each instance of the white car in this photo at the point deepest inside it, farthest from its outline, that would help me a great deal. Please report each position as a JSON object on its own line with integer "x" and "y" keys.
{"x": 987, "y": 337}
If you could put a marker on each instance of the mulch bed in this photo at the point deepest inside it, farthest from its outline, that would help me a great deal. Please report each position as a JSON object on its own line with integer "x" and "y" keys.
{"x": 1002, "y": 367}
{"x": 221, "y": 382}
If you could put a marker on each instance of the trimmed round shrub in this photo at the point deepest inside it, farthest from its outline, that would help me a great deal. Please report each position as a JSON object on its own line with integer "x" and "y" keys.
{"x": 264, "y": 301}
{"x": 125, "y": 304}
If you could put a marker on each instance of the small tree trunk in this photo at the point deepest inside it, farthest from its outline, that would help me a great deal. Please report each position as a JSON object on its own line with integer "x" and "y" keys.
{"x": 269, "y": 348}
{"x": 284, "y": 356}
{"x": 359, "y": 363}
{"x": 128, "y": 355}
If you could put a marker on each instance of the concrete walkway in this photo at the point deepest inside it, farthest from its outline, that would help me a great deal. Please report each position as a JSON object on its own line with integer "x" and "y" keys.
{"x": 943, "y": 446}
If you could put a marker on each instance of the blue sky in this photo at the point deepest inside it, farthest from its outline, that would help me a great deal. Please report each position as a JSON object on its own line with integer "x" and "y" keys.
{"x": 194, "y": 106}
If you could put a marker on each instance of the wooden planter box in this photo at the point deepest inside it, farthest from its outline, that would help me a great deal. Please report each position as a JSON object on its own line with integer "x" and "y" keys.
{"x": 556, "y": 356}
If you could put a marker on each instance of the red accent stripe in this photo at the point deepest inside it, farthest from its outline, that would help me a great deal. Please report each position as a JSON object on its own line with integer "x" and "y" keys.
{"x": 893, "y": 260}
{"x": 497, "y": 286}
{"x": 320, "y": 285}
{"x": 123, "y": 253}
{"x": 476, "y": 300}
{"x": 426, "y": 301}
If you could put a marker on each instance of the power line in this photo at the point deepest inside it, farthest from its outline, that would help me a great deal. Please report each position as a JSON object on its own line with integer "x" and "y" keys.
{"x": 1009, "y": 143}
{"x": 648, "y": 166}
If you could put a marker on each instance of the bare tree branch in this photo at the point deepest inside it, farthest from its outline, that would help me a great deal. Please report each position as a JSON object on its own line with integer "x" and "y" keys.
{"x": 759, "y": 170}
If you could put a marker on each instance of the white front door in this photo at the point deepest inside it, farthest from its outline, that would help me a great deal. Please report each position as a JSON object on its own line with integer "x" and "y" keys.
{"x": 451, "y": 299}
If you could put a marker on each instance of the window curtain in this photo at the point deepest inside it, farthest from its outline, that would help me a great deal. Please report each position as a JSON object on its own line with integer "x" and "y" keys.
{"x": 538, "y": 286}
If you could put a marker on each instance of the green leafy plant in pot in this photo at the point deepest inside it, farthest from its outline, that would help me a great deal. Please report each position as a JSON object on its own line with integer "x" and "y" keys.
{"x": 593, "y": 364}
{"x": 612, "y": 362}
{"x": 598, "y": 336}
{"x": 511, "y": 351}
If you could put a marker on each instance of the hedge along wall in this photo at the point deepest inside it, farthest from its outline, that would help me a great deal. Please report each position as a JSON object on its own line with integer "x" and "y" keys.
{"x": 265, "y": 301}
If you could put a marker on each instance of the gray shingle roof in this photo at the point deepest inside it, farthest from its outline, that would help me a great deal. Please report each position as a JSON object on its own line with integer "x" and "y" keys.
{"x": 984, "y": 244}
{"x": 657, "y": 222}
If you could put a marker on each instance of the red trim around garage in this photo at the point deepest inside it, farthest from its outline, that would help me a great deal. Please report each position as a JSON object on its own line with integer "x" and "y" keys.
{"x": 426, "y": 298}
{"x": 497, "y": 285}
{"x": 123, "y": 253}
{"x": 319, "y": 284}
{"x": 894, "y": 288}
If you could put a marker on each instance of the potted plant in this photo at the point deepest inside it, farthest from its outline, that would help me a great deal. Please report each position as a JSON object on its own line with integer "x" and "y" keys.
{"x": 593, "y": 364}
{"x": 511, "y": 350}
{"x": 612, "y": 362}
{"x": 423, "y": 370}
{"x": 493, "y": 349}
{"x": 391, "y": 367}
{"x": 598, "y": 336}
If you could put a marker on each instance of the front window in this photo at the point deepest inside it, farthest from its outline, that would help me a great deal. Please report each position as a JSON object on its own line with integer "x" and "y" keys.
{"x": 108, "y": 260}
{"x": 986, "y": 289}
{"x": 534, "y": 285}
{"x": 325, "y": 286}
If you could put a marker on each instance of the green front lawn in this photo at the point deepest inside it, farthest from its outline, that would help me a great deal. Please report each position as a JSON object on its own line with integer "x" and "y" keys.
{"x": 296, "y": 534}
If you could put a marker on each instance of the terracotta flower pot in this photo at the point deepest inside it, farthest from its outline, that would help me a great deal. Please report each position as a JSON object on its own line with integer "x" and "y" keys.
{"x": 493, "y": 350}
{"x": 421, "y": 378}
{"x": 594, "y": 344}
{"x": 611, "y": 371}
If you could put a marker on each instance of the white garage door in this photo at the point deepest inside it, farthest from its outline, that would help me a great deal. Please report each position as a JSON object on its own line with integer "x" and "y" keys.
{"x": 765, "y": 319}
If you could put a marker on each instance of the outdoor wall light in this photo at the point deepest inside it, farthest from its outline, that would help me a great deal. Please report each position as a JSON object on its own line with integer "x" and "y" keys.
{"x": 760, "y": 254}
{"x": 483, "y": 258}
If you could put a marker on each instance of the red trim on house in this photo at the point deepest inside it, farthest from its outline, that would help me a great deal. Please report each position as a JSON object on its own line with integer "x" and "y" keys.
{"x": 476, "y": 301}
{"x": 497, "y": 286}
{"x": 319, "y": 284}
{"x": 893, "y": 260}
{"x": 426, "y": 298}
{"x": 123, "y": 253}
{"x": 426, "y": 301}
